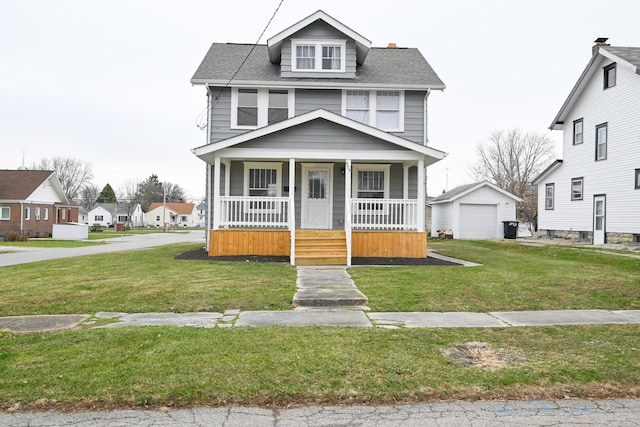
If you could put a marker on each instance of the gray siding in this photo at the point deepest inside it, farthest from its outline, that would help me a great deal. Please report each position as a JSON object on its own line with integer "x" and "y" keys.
{"x": 319, "y": 134}
{"x": 318, "y": 31}
{"x": 312, "y": 99}
{"x": 220, "y": 126}
{"x": 413, "y": 117}
{"x": 413, "y": 182}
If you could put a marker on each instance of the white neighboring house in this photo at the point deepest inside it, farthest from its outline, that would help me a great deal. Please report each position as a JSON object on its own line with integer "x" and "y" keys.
{"x": 593, "y": 194}
{"x": 473, "y": 211}
{"x": 174, "y": 214}
{"x": 107, "y": 214}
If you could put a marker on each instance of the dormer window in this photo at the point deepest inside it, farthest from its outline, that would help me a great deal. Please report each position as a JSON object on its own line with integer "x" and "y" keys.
{"x": 318, "y": 55}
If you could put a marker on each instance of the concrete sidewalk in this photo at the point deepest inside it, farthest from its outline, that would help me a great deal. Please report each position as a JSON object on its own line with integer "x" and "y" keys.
{"x": 325, "y": 317}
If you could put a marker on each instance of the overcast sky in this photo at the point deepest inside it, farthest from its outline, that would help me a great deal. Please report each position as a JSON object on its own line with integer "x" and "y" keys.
{"x": 108, "y": 81}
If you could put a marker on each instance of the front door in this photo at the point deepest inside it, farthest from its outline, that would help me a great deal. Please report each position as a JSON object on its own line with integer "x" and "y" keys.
{"x": 599, "y": 219}
{"x": 316, "y": 209}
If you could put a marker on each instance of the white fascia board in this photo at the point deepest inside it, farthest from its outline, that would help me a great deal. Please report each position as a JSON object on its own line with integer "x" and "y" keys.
{"x": 612, "y": 57}
{"x": 55, "y": 183}
{"x": 575, "y": 93}
{"x": 312, "y": 18}
{"x": 555, "y": 165}
{"x": 300, "y": 84}
{"x": 375, "y": 156}
{"x": 316, "y": 114}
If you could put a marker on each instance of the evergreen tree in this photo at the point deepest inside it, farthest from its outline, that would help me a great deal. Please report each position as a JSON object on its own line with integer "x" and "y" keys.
{"x": 107, "y": 195}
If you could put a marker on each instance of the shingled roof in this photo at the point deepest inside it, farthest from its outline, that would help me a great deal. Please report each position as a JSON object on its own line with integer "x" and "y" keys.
{"x": 179, "y": 208}
{"x": 401, "y": 67}
{"x": 20, "y": 184}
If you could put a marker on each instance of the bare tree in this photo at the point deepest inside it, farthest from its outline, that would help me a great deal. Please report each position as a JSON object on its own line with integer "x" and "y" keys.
{"x": 128, "y": 196}
{"x": 72, "y": 173}
{"x": 511, "y": 160}
{"x": 88, "y": 195}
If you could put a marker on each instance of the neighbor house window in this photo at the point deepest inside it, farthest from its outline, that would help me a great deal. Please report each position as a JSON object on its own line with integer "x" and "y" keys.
{"x": 548, "y": 196}
{"x": 157, "y": 218}
{"x": 601, "y": 141}
{"x": 122, "y": 218}
{"x": 183, "y": 218}
{"x": 262, "y": 179}
{"x": 319, "y": 55}
{"x": 251, "y": 108}
{"x": 577, "y": 132}
{"x": 382, "y": 109}
{"x": 63, "y": 213}
{"x": 637, "y": 178}
{"x": 37, "y": 214}
{"x": 5, "y": 213}
{"x": 610, "y": 75}
{"x": 46, "y": 214}
{"x": 27, "y": 213}
{"x": 99, "y": 217}
{"x": 576, "y": 188}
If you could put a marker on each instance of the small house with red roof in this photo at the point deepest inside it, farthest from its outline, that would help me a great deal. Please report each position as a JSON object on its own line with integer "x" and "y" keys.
{"x": 172, "y": 214}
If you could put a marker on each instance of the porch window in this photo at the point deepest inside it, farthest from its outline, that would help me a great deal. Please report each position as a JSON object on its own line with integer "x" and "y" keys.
{"x": 576, "y": 188}
{"x": 5, "y": 213}
{"x": 370, "y": 182}
{"x": 262, "y": 180}
{"x": 383, "y": 109}
{"x": 252, "y": 108}
{"x": 247, "y": 107}
{"x": 548, "y": 196}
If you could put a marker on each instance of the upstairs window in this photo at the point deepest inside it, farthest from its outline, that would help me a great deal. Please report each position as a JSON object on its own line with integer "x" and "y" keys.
{"x": 601, "y": 141}
{"x": 382, "y": 109}
{"x": 637, "y": 179}
{"x": 576, "y": 188}
{"x": 548, "y": 196}
{"x": 577, "y": 132}
{"x": 318, "y": 55}
{"x": 610, "y": 76}
{"x": 252, "y": 108}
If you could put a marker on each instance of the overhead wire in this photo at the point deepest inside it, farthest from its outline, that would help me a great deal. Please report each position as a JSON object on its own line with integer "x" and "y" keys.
{"x": 200, "y": 118}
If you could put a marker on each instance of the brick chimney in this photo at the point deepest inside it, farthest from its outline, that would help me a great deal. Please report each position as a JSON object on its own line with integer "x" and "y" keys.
{"x": 391, "y": 46}
{"x": 600, "y": 41}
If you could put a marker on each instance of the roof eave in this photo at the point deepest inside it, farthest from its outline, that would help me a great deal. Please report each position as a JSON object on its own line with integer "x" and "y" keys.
{"x": 315, "y": 84}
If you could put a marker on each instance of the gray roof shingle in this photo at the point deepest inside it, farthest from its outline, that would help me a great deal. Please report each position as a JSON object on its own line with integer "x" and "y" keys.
{"x": 383, "y": 66}
{"x": 629, "y": 54}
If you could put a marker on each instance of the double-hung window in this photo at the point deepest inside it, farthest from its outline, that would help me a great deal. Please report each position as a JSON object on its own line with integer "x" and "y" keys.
{"x": 5, "y": 213}
{"x": 577, "y": 188}
{"x": 577, "y": 132}
{"x": 27, "y": 213}
{"x": 381, "y": 109}
{"x": 601, "y": 141}
{"x": 262, "y": 179}
{"x": 37, "y": 214}
{"x": 46, "y": 214}
{"x": 318, "y": 56}
{"x": 101, "y": 217}
{"x": 252, "y": 108}
{"x": 370, "y": 182}
{"x": 548, "y": 196}
{"x": 609, "y": 76}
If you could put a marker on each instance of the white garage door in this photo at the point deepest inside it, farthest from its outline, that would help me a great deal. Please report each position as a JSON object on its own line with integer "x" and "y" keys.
{"x": 478, "y": 221}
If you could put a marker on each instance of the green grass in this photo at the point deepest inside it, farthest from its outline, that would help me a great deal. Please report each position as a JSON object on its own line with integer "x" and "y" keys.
{"x": 50, "y": 243}
{"x": 110, "y": 233}
{"x": 512, "y": 277}
{"x": 143, "y": 281}
{"x": 266, "y": 366}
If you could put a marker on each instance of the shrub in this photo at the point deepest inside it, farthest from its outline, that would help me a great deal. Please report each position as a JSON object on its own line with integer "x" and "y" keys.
{"x": 13, "y": 236}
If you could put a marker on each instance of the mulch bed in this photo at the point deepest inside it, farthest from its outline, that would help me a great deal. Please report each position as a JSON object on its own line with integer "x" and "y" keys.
{"x": 201, "y": 254}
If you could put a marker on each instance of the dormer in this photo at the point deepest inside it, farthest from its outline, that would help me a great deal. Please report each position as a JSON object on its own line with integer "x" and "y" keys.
{"x": 318, "y": 47}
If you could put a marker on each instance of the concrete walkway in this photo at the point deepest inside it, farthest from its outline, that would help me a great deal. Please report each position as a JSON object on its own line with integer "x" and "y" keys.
{"x": 327, "y": 287}
{"x": 325, "y": 317}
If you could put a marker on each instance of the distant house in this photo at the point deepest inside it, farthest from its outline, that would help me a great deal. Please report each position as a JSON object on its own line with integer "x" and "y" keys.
{"x": 108, "y": 214}
{"x": 202, "y": 214}
{"x": 473, "y": 211}
{"x": 593, "y": 193}
{"x": 172, "y": 214}
{"x": 32, "y": 201}
{"x": 317, "y": 145}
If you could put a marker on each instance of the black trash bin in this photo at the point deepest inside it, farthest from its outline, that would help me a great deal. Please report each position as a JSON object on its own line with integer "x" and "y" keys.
{"x": 510, "y": 229}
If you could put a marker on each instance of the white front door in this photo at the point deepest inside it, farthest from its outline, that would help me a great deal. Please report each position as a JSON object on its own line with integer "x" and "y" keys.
{"x": 316, "y": 209}
{"x": 599, "y": 219}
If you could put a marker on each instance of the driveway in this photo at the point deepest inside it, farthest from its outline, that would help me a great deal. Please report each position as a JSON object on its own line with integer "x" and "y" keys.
{"x": 131, "y": 242}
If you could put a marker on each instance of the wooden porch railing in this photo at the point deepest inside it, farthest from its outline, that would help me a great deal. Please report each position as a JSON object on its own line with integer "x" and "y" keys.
{"x": 262, "y": 212}
{"x": 384, "y": 214}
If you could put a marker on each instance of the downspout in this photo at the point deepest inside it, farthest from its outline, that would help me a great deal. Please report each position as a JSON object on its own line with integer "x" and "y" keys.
{"x": 425, "y": 137}
{"x": 21, "y": 217}
{"x": 208, "y": 218}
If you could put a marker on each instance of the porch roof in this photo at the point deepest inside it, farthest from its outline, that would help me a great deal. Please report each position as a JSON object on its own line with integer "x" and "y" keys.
{"x": 208, "y": 152}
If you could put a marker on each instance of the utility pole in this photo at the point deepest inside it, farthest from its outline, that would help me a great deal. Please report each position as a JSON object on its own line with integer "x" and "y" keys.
{"x": 164, "y": 210}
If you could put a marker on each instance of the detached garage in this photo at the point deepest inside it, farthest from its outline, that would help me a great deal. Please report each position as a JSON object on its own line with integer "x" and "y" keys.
{"x": 473, "y": 211}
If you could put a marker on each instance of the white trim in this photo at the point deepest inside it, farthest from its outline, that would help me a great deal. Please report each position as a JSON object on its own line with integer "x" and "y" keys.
{"x": 216, "y": 194}
{"x": 373, "y": 107}
{"x": 204, "y": 150}
{"x": 421, "y": 197}
{"x": 347, "y": 208}
{"x": 318, "y": 45}
{"x": 8, "y": 209}
{"x": 262, "y": 106}
{"x": 315, "y": 84}
{"x": 292, "y": 210}
{"x": 474, "y": 188}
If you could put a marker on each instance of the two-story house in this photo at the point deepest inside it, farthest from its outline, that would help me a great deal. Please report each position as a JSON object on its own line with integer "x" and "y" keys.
{"x": 593, "y": 193}
{"x": 316, "y": 146}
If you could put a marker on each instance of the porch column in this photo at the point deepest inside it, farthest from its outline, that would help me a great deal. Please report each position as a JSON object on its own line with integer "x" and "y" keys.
{"x": 292, "y": 209}
{"x": 227, "y": 177}
{"x": 216, "y": 193}
{"x": 347, "y": 208}
{"x": 405, "y": 181}
{"x": 421, "y": 196}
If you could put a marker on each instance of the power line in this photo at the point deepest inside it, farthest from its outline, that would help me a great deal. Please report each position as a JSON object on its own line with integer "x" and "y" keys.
{"x": 200, "y": 116}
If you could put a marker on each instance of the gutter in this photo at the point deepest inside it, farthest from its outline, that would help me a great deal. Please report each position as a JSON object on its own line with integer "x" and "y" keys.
{"x": 425, "y": 140}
